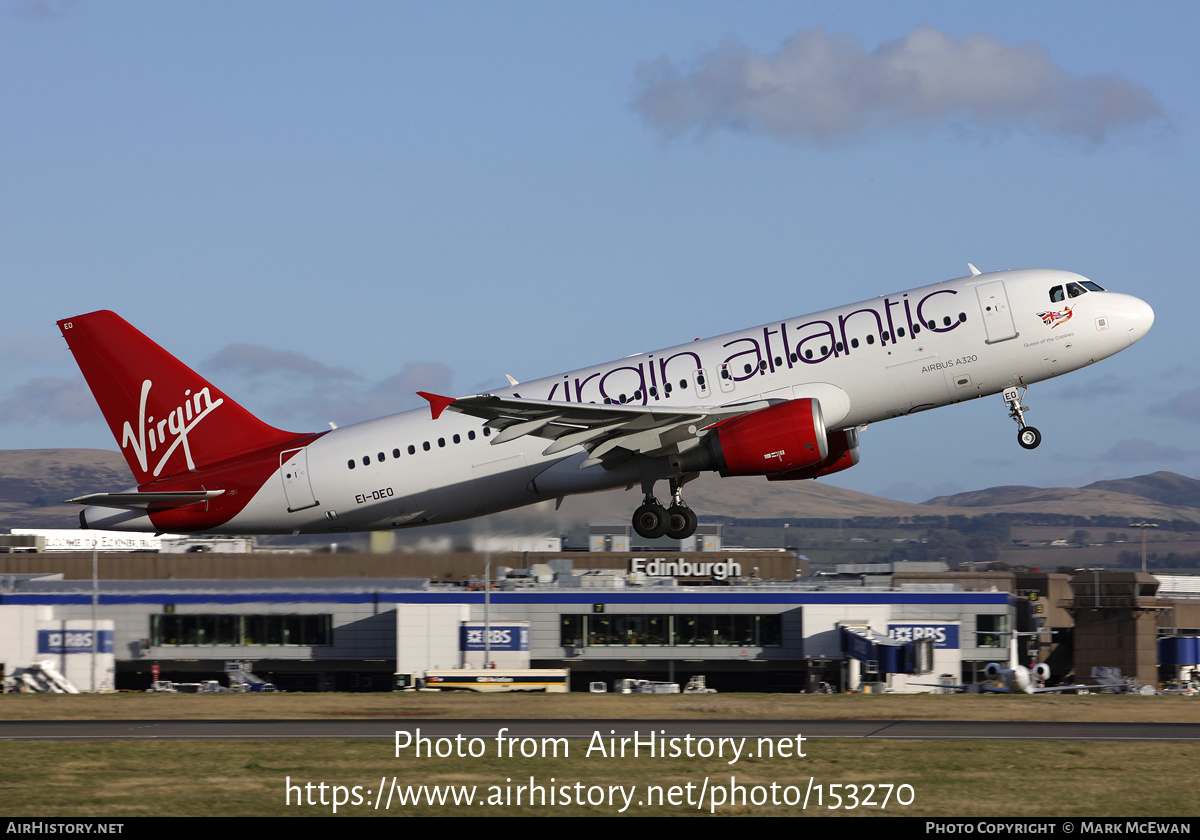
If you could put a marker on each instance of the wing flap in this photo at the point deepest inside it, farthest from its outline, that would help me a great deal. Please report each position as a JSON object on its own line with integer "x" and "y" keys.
{"x": 601, "y": 430}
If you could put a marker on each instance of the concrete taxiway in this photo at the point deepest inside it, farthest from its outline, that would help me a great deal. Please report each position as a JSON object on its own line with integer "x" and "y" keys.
{"x": 477, "y": 728}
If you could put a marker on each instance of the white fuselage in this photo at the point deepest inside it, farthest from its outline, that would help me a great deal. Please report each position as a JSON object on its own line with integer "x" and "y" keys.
{"x": 866, "y": 362}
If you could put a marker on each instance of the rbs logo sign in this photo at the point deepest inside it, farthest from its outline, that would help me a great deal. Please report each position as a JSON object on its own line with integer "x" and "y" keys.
{"x": 73, "y": 641}
{"x": 944, "y": 636}
{"x": 501, "y": 638}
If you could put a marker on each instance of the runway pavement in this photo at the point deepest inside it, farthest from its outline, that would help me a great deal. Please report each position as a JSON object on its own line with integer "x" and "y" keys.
{"x": 476, "y": 728}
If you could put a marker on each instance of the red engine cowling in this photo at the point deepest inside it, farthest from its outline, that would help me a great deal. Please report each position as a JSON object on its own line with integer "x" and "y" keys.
{"x": 843, "y": 454}
{"x": 781, "y": 438}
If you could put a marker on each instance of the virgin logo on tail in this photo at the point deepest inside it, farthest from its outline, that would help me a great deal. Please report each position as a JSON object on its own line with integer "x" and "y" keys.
{"x": 178, "y": 423}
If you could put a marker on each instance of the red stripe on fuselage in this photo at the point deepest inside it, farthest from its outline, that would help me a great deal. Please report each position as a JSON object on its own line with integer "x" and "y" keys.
{"x": 241, "y": 478}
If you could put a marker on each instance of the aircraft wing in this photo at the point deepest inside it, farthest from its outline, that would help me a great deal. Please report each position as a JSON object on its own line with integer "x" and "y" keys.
{"x": 981, "y": 688}
{"x": 142, "y": 501}
{"x": 599, "y": 429}
{"x": 972, "y": 688}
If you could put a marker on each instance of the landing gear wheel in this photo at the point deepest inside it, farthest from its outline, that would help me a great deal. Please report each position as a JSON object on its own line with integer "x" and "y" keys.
{"x": 681, "y": 522}
{"x": 650, "y": 521}
{"x": 1029, "y": 437}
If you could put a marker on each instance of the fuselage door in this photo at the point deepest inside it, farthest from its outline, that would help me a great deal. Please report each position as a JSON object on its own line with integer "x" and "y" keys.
{"x": 293, "y": 469}
{"x": 997, "y": 317}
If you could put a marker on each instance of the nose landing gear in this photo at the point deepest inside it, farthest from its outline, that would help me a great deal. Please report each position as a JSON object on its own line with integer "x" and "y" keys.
{"x": 1027, "y": 436}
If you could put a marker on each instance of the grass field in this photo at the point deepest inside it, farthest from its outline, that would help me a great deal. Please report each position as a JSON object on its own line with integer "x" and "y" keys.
{"x": 134, "y": 706}
{"x": 251, "y": 778}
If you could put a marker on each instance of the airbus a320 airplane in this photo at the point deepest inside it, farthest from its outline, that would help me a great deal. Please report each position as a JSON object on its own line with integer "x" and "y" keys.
{"x": 784, "y": 401}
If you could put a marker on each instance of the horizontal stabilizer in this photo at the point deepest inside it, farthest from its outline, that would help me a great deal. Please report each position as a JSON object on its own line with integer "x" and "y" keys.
{"x": 141, "y": 501}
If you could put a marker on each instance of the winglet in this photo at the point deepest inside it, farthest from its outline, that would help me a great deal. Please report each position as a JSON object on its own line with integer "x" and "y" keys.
{"x": 436, "y": 404}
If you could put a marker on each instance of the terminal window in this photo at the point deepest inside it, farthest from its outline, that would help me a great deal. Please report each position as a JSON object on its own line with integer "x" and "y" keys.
{"x": 696, "y": 630}
{"x": 221, "y": 629}
{"x": 991, "y": 631}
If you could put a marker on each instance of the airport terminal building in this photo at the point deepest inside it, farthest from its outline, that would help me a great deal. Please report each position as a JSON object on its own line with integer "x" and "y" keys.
{"x": 744, "y": 621}
{"x": 657, "y": 618}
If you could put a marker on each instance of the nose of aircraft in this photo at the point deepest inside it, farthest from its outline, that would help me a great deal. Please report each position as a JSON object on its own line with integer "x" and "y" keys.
{"x": 1139, "y": 317}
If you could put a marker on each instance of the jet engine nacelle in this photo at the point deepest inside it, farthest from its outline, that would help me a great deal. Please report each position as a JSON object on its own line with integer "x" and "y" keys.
{"x": 1040, "y": 671}
{"x": 778, "y": 439}
{"x": 843, "y": 454}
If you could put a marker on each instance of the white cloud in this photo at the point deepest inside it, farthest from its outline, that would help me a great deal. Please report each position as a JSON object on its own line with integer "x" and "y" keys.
{"x": 293, "y": 390}
{"x": 346, "y": 404}
{"x": 49, "y": 399}
{"x": 254, "y": 360}
{"x": 1136, "y": 450}
{"x": 826, "y": 90}
{"x": 1185, "y": 406}
{"x": 283, "y": 388}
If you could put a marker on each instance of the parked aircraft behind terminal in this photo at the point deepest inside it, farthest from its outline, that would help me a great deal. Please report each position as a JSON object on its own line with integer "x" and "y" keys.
{"x": 1015, "y": 680}
{"x": 785, "y": 401}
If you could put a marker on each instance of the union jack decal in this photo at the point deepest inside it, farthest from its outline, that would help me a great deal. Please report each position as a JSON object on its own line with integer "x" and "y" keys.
{"x": 1053, "y": 319}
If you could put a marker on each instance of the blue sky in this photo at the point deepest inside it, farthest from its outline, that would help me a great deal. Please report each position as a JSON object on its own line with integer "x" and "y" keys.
{"x": 326, "y": 207}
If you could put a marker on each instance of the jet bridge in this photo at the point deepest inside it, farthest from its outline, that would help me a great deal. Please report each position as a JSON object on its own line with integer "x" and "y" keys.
{"x": 883, "y": 655}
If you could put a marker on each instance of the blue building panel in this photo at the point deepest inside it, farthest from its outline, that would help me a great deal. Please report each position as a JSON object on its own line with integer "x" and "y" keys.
{"x": 73, "y": 641}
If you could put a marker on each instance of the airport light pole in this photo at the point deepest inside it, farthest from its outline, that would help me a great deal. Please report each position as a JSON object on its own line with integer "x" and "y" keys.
{"x": 95, "y": 605}
{"x": 487, "y": 609}
{"x": 1142, "y": 526}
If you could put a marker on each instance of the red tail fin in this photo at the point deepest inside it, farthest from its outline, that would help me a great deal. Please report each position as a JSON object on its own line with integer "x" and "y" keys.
{"x": 166, "y": 418}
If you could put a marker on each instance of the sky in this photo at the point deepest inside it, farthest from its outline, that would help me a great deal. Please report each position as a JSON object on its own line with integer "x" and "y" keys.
{"x": 325, "y": 207}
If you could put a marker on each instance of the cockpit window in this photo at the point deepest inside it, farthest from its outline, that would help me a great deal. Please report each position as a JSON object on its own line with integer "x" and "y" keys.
{"x": 1056, "y": 294}
{"x": 1090, "y": 286}
{"x": 1075, "y": 290}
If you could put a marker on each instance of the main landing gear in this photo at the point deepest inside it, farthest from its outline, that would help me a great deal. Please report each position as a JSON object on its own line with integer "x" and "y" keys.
{"x": 1027, "y": 436}
{"x": 652, "y": 520}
